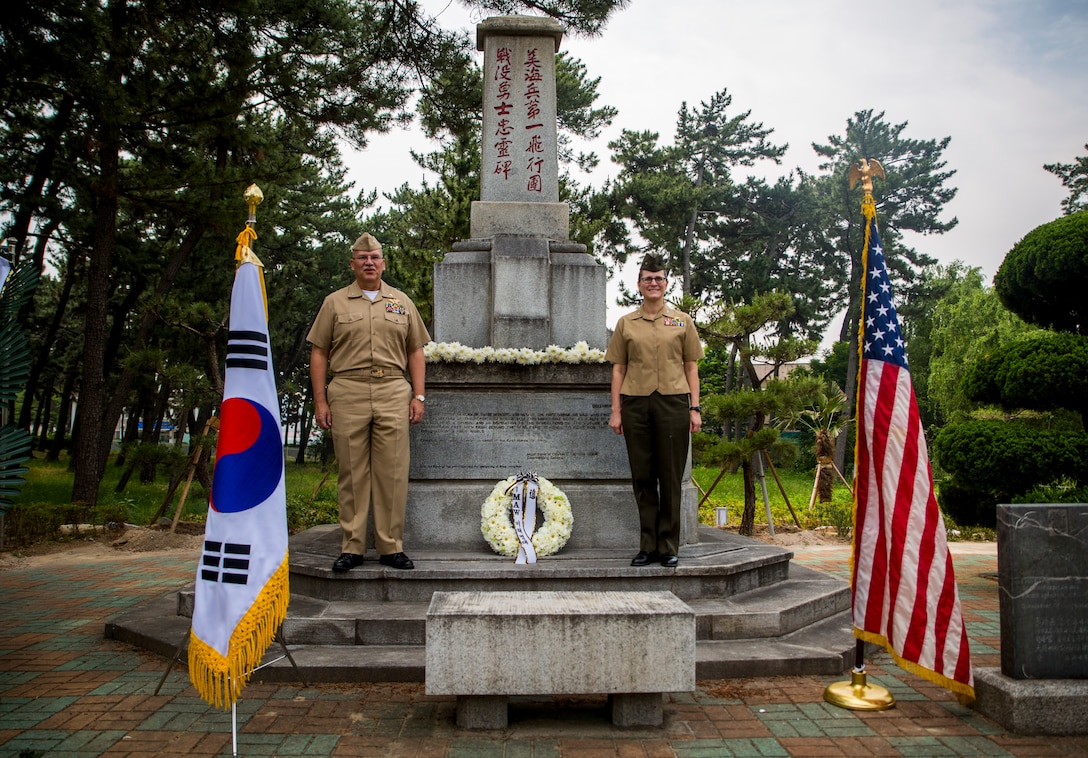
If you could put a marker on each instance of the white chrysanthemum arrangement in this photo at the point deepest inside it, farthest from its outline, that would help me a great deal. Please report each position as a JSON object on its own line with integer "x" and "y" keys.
{"x": 455, "y": 352}
{"x": 497, "y": 524}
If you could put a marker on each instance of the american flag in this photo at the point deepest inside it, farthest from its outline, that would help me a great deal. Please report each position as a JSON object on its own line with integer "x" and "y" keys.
{"x": 904, "y": 589}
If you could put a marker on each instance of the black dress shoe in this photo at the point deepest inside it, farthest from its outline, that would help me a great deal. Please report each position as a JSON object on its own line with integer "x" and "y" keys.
{"x": 643, "y": 558}
{"x": 347, "y": 561}
{"x": 669, "y": 561}
{"x": 397, "y": 561}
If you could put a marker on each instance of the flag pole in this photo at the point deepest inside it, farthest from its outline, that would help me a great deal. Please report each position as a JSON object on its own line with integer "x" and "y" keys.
{"x": 858, "y": 694}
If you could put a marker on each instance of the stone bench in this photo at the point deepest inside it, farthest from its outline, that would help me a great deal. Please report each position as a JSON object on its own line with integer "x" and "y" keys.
{"x": 486, "y": 646}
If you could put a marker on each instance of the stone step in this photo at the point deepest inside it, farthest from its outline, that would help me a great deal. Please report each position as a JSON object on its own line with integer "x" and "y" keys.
{"x": 756, "y": 615}
{"x": 805, "y": 598}
{"x": 720, "y": 565}
{"x": 822, "y": 649}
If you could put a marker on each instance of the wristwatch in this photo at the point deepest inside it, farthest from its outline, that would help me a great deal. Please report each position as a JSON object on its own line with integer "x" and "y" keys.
{"x": 421, "y": 398}
{"x": 698, "y": 408}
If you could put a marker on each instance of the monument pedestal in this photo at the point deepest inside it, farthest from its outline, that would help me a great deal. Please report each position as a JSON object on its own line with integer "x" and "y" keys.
{"x": 520, "y": 291}
{"x": 487, "y": 422}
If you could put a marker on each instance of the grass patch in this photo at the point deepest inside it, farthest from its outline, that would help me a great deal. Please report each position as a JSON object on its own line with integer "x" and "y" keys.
{"x": 45, "y": 502}
{"x": 729, "y": 493}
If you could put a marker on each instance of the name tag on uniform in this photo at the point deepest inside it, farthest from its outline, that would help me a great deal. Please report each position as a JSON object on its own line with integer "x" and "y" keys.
{"x": 673, "y": 322}
{"x": 395, "y": 306}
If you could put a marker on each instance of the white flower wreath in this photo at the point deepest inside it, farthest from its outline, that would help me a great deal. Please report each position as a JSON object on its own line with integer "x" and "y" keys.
{"x": 497, "y": 524}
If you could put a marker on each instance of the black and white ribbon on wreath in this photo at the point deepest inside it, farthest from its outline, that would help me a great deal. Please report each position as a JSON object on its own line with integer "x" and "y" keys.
{"x": 523, "y": 511}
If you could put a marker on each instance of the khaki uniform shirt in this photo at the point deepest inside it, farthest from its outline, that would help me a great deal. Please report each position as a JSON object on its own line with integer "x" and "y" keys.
{"x": 654, "y": 349}
{"x": 359, "y": 333}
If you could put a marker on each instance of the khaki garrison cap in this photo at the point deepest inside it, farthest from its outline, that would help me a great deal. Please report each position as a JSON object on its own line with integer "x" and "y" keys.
{"x": 366, "y": 242}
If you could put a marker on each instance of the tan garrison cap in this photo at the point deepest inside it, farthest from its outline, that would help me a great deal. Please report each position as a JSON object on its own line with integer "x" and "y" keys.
{"x": 366, "y": 242}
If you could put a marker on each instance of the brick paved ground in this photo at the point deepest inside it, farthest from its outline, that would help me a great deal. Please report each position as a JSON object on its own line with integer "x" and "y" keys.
{"x": 65, "y": 691}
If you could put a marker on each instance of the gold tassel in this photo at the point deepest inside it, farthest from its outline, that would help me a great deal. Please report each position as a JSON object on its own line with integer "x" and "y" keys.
{"x": 218, "y": 680}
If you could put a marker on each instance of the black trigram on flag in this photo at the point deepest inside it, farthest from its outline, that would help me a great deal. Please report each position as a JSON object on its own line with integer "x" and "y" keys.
{"x": 247, "y": 349}
{"x": 225, "y": 562}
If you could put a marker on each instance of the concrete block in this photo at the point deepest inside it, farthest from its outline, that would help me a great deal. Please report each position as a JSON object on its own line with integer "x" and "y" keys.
{"x": 1032, "y": 706}
{"x": 579, "y": 298}
{"x": 547, "y": 220}
{"x": 482, "y": 712}
{"x": 462, "y": 298}
{"x": 637, "y": 709}
{"x": 548, "y": 643}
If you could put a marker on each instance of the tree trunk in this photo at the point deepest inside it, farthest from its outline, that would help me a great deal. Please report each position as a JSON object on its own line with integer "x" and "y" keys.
{"x": 825, "y": 477}
{"x": 63, "y": 414}
{"x": 32, "y": 196}
{"x": 92, "y": 442}
{"x": 851, "y": 400}
{"x": 748, "y": 517}
{"x": 44, "y": 354}
{"x": 306, "y": 423}
{"x": 41, "y": 421}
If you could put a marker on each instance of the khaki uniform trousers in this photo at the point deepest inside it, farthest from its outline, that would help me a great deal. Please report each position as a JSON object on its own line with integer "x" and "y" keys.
{"x": 370, "y": 439}
{"x": 656, "y": 430}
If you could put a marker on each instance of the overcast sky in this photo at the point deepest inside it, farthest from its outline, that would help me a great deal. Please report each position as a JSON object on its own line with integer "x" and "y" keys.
{"x": 1007, "y": 80}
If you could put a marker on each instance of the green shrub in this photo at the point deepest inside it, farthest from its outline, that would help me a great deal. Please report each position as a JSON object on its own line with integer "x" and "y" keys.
{"x": 303, "y": 514}
{"x": 969, "y": 506}
{"x": 30, "y": 523}
{"x": 1063, "y": 490}
{"x": 1007, "y": 459}
{"x": 1044, "y": 372}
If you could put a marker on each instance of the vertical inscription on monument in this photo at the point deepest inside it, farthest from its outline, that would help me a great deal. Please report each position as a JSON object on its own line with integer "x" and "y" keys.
{"x": 520, "y": 161}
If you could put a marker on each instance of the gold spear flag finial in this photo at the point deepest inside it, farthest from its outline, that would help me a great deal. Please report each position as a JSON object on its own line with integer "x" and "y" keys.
{"x": 253, "y": 197}
{"x": 865, "y": 170}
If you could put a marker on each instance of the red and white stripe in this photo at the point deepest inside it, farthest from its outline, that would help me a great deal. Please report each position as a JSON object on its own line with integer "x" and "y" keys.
{"x": 904, "y": 587}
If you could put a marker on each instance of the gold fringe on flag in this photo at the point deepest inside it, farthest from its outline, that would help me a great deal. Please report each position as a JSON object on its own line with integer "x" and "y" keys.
{"x": 964, "y": 693}
{"x": 220, "y": 680}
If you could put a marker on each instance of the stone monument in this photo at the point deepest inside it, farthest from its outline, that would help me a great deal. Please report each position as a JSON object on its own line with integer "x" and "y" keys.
{"x": 1042, "y": 564}
{"x": 519, "y": 282}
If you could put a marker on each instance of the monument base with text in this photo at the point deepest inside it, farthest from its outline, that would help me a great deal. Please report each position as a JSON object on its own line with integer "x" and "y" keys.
{"x": 487, "y": 422}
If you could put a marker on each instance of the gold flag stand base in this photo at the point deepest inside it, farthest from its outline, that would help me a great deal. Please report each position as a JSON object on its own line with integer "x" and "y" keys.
{"x": 857, "y": 695}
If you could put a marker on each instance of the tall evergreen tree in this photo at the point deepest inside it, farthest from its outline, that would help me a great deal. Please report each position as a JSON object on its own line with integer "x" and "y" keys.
{"x": 911, "y": 198}
{"x": 670, "y": 191}
{"x": 1074, "y": 178}
{"x": 129, "y": 123}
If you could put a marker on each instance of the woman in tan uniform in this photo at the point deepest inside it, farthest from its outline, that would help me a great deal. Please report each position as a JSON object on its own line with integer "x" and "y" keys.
{"x": 654, "y": 353}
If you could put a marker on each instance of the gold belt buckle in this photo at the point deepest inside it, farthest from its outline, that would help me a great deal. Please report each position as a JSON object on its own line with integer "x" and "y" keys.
{"x": 378, "y": 372}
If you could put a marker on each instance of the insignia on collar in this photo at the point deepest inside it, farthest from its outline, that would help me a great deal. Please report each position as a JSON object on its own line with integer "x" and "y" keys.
{"x": 395, "y": 306}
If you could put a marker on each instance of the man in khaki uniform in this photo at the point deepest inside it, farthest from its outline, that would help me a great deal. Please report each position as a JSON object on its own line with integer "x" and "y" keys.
{"x": 370, "y": 335}
{"x": 654, "y": 353}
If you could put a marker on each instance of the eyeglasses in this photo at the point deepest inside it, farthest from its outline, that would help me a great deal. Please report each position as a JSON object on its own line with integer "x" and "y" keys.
{"x": 653, "y": 279}
{"x": 366, "y": 257}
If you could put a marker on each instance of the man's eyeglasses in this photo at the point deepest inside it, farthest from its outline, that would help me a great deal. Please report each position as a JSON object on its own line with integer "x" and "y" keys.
{"x": 653, "y": 279}
{"x": 366, "y": 257}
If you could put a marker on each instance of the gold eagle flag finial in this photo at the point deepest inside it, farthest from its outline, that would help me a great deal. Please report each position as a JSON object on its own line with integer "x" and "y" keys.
{"x": 864, "y": 170}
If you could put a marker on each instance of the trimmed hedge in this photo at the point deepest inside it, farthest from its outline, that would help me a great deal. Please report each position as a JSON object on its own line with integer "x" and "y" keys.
{"x": 1006, "y": 459}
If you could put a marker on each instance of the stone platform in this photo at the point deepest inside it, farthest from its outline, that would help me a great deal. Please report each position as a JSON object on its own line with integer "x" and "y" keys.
{"x": 755, "y": 613}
